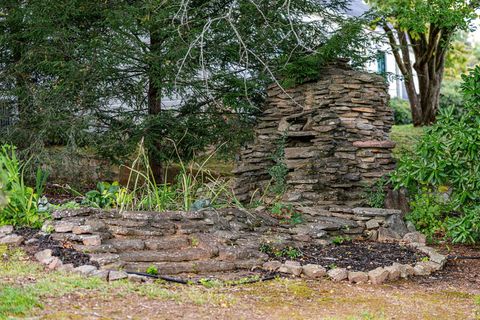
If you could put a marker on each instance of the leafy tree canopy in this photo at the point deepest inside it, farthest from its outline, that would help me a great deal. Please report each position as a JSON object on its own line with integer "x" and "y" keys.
{"x": 423, "y": 29}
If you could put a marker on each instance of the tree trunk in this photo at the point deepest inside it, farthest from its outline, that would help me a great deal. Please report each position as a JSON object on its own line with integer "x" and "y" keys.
{"x": 429, "y": 51}
{"x": 155, "y": 103}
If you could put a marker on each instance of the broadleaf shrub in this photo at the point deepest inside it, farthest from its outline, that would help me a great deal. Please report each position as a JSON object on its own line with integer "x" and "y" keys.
{"x": 443, "y": 171}
{"x": 401, "y": 111}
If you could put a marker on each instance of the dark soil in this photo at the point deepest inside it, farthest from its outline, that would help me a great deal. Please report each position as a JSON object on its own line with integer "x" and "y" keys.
{"x": 358, "y": 255}
{"x": 35, "y": 242}
{"x": 461, "y": 272}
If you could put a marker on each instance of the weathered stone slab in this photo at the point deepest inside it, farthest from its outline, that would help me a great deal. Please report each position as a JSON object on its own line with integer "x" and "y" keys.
{"x": 188, "y": 254}
{"x": 374, "y": 144}
{"x": 12, "y": 239}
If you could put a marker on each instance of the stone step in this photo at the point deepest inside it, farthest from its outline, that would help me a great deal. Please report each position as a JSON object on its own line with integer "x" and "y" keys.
{"x": 197, "y": 267}
{"x": 187, "y": 254}
{"x": 160, "y": 243}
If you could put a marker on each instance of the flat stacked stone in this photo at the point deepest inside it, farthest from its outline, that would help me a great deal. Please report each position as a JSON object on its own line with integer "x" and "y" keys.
{"x": 208, "y": 240}
{"x": 336, "y": 131}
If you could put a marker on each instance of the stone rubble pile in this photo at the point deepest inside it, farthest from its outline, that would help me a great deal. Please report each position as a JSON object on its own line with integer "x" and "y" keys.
{"x": 335, "y": 133}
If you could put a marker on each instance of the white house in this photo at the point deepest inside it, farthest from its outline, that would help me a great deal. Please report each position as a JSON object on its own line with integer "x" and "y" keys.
{"x": 385, "y": 62}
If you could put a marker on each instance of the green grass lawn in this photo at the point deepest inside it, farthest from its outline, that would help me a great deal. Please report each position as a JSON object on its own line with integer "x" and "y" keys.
{"x": 405, "y": 136}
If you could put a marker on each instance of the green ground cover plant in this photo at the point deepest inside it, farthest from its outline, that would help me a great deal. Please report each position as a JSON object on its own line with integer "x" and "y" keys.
{"x": 442, "y": 173}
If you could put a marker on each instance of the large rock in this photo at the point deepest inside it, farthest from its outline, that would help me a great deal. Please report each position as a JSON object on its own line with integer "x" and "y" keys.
{"x": 93, "y": 240}
{"x": 85, "y": 269}
{"x": 378, "y": 275}
{"x": 5, "y": 230}
{"x": 414, "y": 237}
{"x": 85, "y": 229}
{"x": 64, "y": 226}
{"x": 55, "y": 263}
{"x": 314, "y": 271}
{"x": 338, "y": 274}
{"x": 387, "y": 235}
{"x": 117, "y": 275}
{"x": 394, "y": 272}
{"x": 357, "y": 277}
{"x": 272, "y": 265}
{"x": 188, "y": 254}
{"x": 44, "y": 256}
{"x": 396, "y": 223}
{"x": 291, "y": 267}
{"x": 12, "y": 239}
{"x": 104, "y": 258}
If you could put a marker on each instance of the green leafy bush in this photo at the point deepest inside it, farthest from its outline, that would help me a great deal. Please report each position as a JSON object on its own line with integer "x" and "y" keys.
{"x": 375, "y": 195}
{"x": 20, "y": 207}
{"x": 401, "y": 111}
{"x": 451, "y": 95}
{"x": 443, "y": 171}
{"x": 104, "y": 196}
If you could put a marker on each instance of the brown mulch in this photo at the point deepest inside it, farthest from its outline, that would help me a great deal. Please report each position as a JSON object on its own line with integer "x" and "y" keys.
{"x": 357, "y": 255}
{"x": 458, "y": 272}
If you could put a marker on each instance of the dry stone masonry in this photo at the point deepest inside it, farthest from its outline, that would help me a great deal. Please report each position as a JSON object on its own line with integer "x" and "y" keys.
{"x": 335, "y": 133}
{"x": 210, "y": 241}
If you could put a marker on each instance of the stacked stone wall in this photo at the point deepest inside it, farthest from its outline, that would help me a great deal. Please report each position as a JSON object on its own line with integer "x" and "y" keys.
{"x": 209, "y": 240}
{"x": 335, "y": 133}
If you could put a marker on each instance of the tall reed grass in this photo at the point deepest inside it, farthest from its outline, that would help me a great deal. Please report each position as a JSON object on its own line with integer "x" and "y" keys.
{"x": 195, "y": 186}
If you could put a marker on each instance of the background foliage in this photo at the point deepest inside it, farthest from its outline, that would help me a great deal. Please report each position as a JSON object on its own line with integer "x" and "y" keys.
{"x": 102, "y": 73}
{"x": 443, "y": 172}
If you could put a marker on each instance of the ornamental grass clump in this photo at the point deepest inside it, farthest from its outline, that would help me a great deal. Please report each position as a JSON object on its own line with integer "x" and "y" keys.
{"x": 442, "y": 174}
{"x": 195, "y": 187}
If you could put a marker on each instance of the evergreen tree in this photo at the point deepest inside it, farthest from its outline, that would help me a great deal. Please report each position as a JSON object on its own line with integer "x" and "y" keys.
{"x": 101, "y": 72}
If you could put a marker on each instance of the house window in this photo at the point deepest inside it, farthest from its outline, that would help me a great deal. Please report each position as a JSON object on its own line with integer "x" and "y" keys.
{"x": 381, "y": 62}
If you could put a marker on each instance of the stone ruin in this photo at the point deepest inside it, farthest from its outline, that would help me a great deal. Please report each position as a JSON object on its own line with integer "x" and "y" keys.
{"x": 335, "y": 139}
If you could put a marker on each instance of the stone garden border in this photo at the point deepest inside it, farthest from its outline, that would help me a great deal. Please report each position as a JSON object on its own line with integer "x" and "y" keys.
{"x": 414, "y": 240}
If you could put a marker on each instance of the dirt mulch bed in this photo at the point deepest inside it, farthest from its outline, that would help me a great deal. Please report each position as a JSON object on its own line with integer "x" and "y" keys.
{"x": 462, "y": 273}
{"x": 358, "y": 255}
{"x": 35, "y": 242}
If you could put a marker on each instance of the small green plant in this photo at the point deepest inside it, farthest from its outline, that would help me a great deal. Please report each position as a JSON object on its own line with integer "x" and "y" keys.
{"x": 266, "y": 248}
{"x": 286, "y": 213}
{"x": 210, "y": 283}
{"x": 291, "y": 253}
{"x": 279, "y": 170}
{"x": 104, "y": 196}
{"x": 332, "y": 266}
{"x": 40, "y": 181}
{"x": 427, "y": 213}
{"x": 194, "y": 242}
{"x": 375, "y": 195}
{"x": 338, "y": 240}
{"x": 195, "y": 185}
{"x": 152, "y": 270}
{"x": 465, "y": 228}
{"x": 425, "y": 259}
